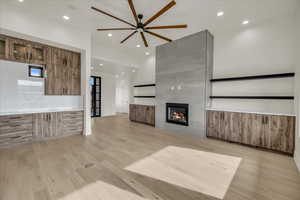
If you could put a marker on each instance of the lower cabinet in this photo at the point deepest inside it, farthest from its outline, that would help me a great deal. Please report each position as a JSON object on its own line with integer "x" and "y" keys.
{"x": 18, "y": 129}
{"x": 57, "y": 124}
{"x": 142, "y": 114}
{"x": 273, "y": 132}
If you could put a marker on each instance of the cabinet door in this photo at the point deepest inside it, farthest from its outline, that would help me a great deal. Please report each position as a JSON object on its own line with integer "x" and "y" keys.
{"x": 19, "y": 50}
{"x": 132, "y": 112}
{"x": 3, "y": 47}
{"x": 54, "y": 78}
{"x": 38, "y": 53}
{"x": 71, "y": 123}
{"x": 66, "y": 68}
{"x": 252, "y": 129}
{"x": 233, "y": 126}
{"x": 213, "y": 121}
{"x": 44, "y": 125}
{"x": 150, "y": 115}
{"x": 141, "y": 113}
{"x": 75, "y": 87}
{"x": 283, "y": 133}
{"x": 15, "y": 129}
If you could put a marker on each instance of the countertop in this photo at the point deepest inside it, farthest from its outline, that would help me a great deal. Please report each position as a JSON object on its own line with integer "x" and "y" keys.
{"x": 41, "y": 110}
{"x": 241, "y": 111}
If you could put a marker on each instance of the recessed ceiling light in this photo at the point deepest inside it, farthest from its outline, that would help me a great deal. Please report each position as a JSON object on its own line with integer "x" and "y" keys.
{"x": 109, "y": 35}
{"x": 66, "y": 17}
{"x": 245, "y": 22}
{"x": 147, "y": 53}
{"x": 101, "y": 64}
{"x": 133, "y": 70}
{"x": 117, "y": 76}
{"x": 221, "y": 13}
{"x": 21, "y": 1}
{"x": 138, "y": 46}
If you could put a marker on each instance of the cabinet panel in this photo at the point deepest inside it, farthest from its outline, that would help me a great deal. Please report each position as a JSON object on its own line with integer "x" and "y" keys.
{"x": 283, "y": 133}
{"x": 19, "y": 50}
{"x": 38, "y": 53}
{"x": 75, "y": 87}
{"x": 4, "y": 50}
{"x": 132, "y": 112}
{"x": 213, "y": 120}
{"x": 140, "y": 113}
{"x": 44, "y": 125}
{"x": 252, "y": 129}
{"x": 15, "y": 129}
{"x": 150, "y": 115}
{"x": 233, "y": 127}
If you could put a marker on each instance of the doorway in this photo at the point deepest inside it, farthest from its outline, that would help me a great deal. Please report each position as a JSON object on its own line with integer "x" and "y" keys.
{"x": 95, "y": 83}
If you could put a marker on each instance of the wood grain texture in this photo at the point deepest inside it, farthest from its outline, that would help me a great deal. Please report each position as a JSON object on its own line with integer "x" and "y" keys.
{"x": 265, "y": 131}
{"x": 142, "y": 114}
{"x": 15, "y": 129}
{"x": 55, "y": 169}
{"x": 4, "y": 47}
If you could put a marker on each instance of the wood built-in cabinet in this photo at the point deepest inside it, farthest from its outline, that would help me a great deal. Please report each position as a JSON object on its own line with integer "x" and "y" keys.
{"x": 275, "y": 132}
{"x": 62, "y": 67}
{"x": 142, "y": 114}
{"x": 18, "y": 129}
{"x": 63, "y": 76}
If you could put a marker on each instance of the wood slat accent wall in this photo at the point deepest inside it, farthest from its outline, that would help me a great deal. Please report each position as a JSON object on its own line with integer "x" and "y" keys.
{"x": 274, "y": 132}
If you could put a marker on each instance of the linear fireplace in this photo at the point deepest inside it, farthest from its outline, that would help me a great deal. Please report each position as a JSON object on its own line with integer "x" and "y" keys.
{"x": 177, "y": 113}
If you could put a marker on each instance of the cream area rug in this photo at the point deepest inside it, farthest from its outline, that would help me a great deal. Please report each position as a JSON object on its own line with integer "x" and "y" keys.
{"x": 200, "y": 171}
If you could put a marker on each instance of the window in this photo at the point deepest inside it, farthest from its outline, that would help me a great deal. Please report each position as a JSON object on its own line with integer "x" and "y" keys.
{"x": 35, "y": 71}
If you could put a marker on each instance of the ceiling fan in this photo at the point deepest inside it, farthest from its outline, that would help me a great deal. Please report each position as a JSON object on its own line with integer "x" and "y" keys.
{"x": 142, "y": 27}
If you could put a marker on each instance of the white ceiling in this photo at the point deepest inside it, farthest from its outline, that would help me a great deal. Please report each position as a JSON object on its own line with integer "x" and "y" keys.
{"x": 198, "y": 14}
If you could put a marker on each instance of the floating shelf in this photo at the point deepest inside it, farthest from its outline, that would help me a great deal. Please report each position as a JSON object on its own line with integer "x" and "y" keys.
{"x": 144, "y": 96}
{"x": 254, "y": 97}
{"x": 269, "y": 76}
{"x": 146, "y": 85}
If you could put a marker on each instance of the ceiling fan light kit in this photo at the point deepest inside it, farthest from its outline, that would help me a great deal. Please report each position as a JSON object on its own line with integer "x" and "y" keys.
{"x": 141, "y": 27}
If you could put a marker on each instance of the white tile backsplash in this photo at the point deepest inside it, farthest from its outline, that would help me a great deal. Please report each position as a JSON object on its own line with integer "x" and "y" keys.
{"x": 20, "y": 92}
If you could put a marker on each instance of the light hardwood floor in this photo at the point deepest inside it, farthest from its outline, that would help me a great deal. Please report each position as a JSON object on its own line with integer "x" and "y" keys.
{"x": 92, "y": 167}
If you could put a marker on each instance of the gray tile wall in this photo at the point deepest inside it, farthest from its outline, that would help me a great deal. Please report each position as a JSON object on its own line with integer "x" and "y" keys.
{"x": 183, "y": 70}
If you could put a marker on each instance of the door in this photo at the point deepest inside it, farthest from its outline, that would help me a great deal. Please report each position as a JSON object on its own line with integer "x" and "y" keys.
{"x": 95, "y": 85}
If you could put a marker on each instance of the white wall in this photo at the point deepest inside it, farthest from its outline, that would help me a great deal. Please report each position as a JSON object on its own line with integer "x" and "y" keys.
{"x": 254, "y": 49}
{"x": 123, "y": 93}
{"x": 108, "y": 93}
{"x": 145, "y": 74}
{"x": 297, "y": 92}
{"x": 22, "y": 24}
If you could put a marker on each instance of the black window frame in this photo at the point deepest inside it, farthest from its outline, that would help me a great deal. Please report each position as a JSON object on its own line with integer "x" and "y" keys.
{"x": 35, "y": 67}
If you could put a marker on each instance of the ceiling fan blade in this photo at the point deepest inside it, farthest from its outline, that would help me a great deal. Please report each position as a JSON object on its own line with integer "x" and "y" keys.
{"x": 167, "y": 27}
{"x": 105, "y": 13}
{"x": 129, "y": 36}
{"x": 133, "y": 11}
{"x": 159, "y": 36}
{"x": 144, "y": 39}
{"x": 161, "y": 12}
{"x": 114, "y": 29}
